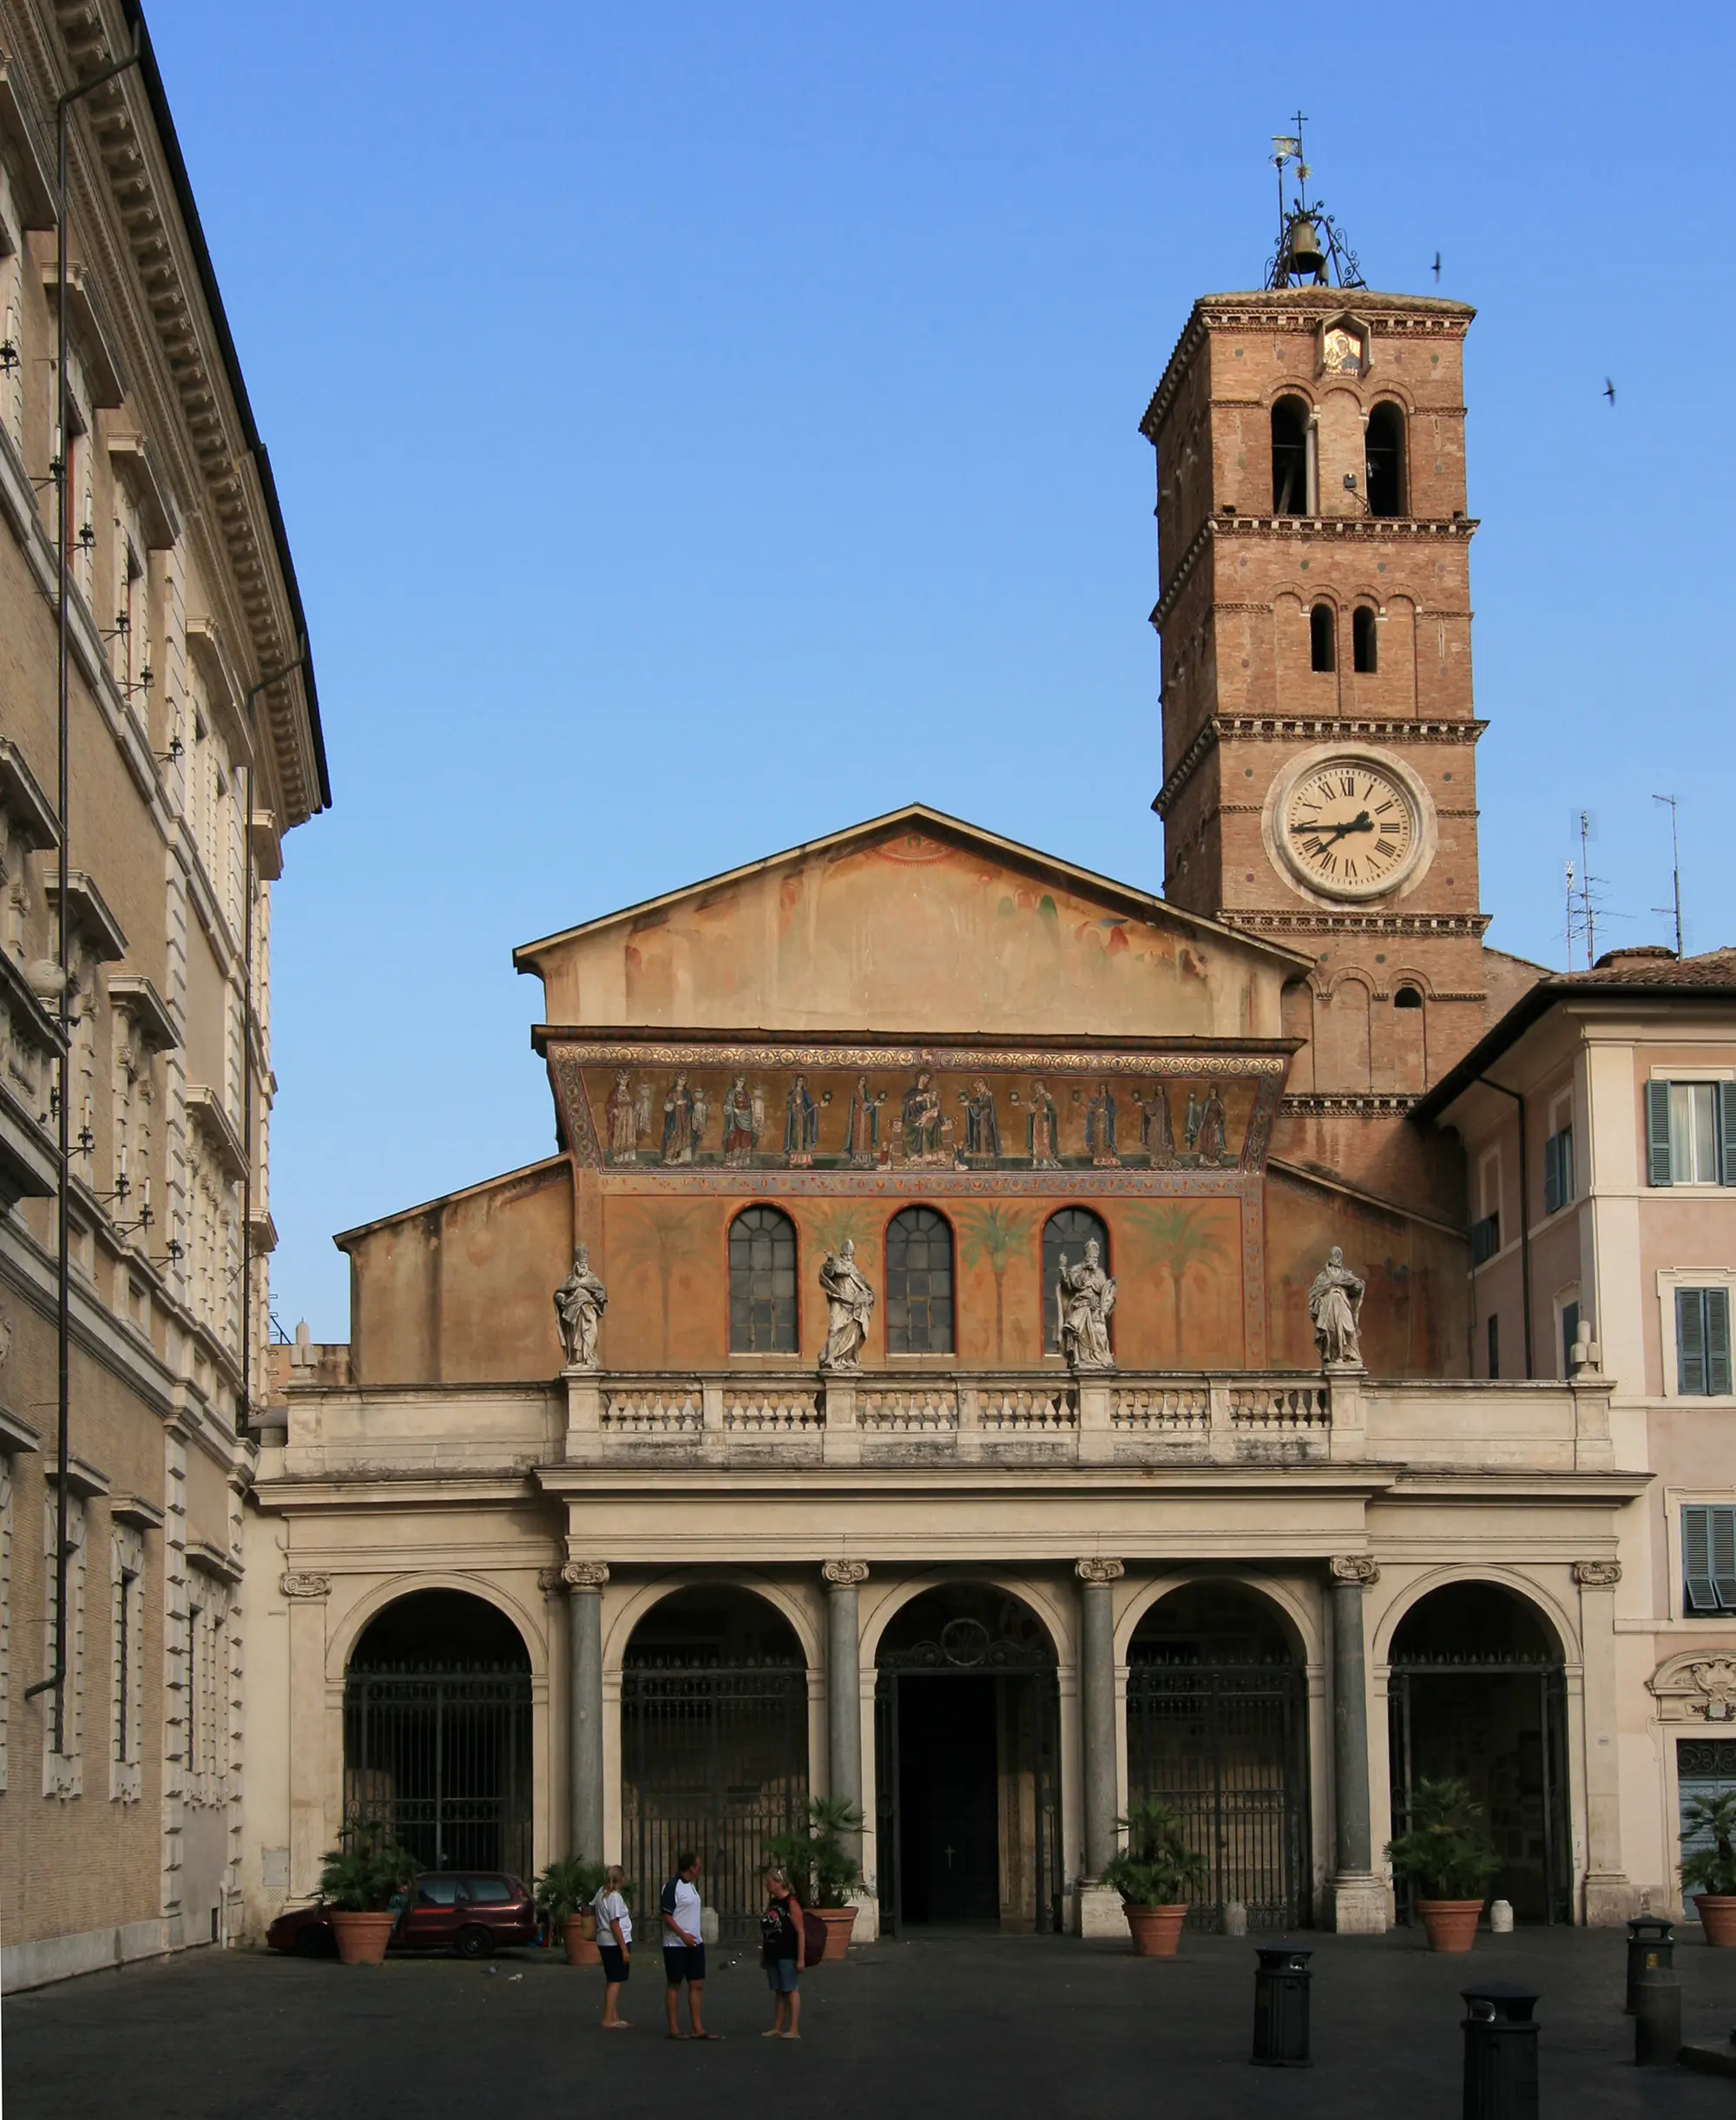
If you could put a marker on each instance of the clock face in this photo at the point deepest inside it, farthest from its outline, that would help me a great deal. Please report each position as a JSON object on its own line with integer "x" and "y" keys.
{"x": 1350, "y": 828}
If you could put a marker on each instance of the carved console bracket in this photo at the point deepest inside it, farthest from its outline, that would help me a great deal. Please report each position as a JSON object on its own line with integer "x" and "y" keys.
{"x": 300, "y": 1583}
{"x": 1597, "y": 1575}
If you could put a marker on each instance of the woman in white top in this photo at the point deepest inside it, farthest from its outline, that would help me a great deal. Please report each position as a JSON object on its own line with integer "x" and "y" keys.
{"x": 615, "y": 1943}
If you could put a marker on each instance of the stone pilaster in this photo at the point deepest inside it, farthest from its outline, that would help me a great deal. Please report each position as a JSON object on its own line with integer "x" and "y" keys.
{"x": 585, "y": 1581}
{"x": 1100, "y": 1909}
{"x": 1360, "y": 1906}
{"x": 1610, "y": 1899}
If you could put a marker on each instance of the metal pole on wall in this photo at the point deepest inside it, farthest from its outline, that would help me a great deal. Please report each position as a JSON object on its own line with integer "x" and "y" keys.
{"x": 55, "y": 1681}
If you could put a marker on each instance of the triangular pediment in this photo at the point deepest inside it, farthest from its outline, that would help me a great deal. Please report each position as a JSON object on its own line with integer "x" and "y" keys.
{"x": 910, "y": 923}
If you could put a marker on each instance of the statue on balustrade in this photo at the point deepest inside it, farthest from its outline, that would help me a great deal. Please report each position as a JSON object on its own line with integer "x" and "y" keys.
{"x": 580, "y": 1303}
{"x": 1085, "y": 1295}
{"x": 1335, "y": 1306}
{"x": 850, "y": 1303}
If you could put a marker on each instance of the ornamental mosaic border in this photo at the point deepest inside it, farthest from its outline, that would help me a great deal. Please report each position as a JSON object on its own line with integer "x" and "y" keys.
{"x": 940, "y": 1059}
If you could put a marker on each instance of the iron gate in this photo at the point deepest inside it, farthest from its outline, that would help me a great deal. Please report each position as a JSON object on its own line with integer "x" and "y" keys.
{"x": 1226, "y": 1746}
{"x": 1525, "y": 1800}
{"x": 442, "y": 1761}
{"x": 713, "y": 1759}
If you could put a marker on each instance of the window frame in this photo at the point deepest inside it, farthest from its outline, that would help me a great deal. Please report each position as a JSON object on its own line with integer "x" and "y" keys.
{"x": 1326, "y": 634}
{"x": 1560, "y": 1175}
{"x": 1678, "y": 1502}
{"x": 1659, "y": 1129}
{"x": 774, "y": 1352}
{"x": 1050, "y": 1334}
{"x": 1364, "y": 641}
{"x": 1670, "y": 1281}
{"x": 930, "y": 1353}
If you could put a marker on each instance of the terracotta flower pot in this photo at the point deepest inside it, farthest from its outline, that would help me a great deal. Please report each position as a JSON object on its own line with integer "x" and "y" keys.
{"x": 1450, "y": 1925}
{"x": 1717, "y": 1913}
{"x": 578, "y": 1934}
{"x": 362, "y": 1939}
{"x": 1156, "y": 1930}
{"x": 839, "y": 1921}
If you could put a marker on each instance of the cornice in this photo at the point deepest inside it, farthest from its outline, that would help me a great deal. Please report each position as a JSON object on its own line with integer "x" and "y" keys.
{"x": 1304, "y": 729}
{"x": 1471, "y": 925}
{"x": 1308, "y": 530}
{"x": 1368, "y": 1104}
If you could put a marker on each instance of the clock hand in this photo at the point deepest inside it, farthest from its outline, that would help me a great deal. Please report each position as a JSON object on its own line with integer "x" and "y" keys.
{"x": 1361, "y": 822}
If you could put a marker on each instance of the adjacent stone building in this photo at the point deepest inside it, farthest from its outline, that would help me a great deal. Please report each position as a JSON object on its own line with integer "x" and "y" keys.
{"x": 193, "y": 746}
{"x": 1017, "y": 1341}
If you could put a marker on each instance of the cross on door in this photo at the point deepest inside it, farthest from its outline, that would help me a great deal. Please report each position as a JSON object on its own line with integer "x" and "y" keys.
{"x": 947, "y": 1851}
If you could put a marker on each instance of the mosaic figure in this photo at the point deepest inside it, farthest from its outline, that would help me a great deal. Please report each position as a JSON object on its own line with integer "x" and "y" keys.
{"x": 982, "y": 1128}
{"x": 1100, "y": 1126}
{"x": 744, "y": 1117}
{"x": 625, "y": 1121}
{"x": 1213, "y": 1141}
{"x": 862, "y": 1132}
{"x": 1084, "y": 1296}
{"x": 1042, "y": 1130}
{"x": 683, "y": 1122}
{"x": 922, "y": 1117}
{"x": 801, "y": 1123}
{"x": 1190, "y": 1122}
{"x": 1157, "y": 1135}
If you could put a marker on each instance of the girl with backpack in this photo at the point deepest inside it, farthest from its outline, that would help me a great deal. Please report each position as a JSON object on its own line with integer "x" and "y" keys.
{"x": 783, "y": 1953}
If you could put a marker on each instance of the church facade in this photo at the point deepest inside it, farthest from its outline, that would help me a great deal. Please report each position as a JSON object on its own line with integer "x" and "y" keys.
{"x": 994, "y": 1344}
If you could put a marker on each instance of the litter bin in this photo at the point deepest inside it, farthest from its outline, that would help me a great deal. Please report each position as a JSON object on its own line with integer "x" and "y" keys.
{"x": 1281, "y": 2007}
{"x": 1657, "y": 2019}
{"x": 1651, "y": 1944}
{"x": 1500, "y": 2052}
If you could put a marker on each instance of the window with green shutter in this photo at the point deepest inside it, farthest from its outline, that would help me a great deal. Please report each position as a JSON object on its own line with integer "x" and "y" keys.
{"x": 1558, "y": 1171}
{"x": 1708, "y": 1535}
{"x": 1703, "y": 1343}
{"x": 1690, "y": 1134}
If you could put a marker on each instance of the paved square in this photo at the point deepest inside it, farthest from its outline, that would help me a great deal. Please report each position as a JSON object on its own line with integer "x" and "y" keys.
{"x": 944, "y": 2027}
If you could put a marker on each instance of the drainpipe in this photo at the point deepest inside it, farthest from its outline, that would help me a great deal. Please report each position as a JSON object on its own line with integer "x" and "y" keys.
{"x": 1524, "y": 1216}
{"x": 55, "y": 1681}
{"x": 244, "y": 1411}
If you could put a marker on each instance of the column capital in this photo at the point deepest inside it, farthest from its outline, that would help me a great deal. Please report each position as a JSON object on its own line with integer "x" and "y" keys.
{"x": 1362, "y": 1568}
{"x": 843, "y": 1574}
{"x": 549, "y": 1580}
{"x": 585, "y": 1574}
{"x": 1095, "y": 1568}
{"x": 304, "y": 1582}
{"x": 1597, "y": 1575}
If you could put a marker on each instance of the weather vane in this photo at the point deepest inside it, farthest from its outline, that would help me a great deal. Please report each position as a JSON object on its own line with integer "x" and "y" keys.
{"x": 1299, "y": 260}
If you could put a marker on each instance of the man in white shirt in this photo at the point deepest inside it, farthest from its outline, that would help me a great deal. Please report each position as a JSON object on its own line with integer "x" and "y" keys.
{"x": 684, "y": 1954}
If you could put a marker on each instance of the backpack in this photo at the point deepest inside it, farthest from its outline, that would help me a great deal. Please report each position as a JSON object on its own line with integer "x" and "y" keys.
{"x": 813, "y": 1937}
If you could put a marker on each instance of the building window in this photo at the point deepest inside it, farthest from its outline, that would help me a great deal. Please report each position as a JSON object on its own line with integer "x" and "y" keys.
{"x": 1069, "y": 1231}
{"x": 1494, "y": 1332}
{"x": 1569, "y": 1334}
{"x": 1708, "y": 1537}
{"x": 1703, "y": 1343}
{"x": 128, "y": 1698}
{"x": 1558, "y": 1171}
{"x": 762, "y": 1283}
{"x": 1365, "y": 656}
{"x": 62, "y": 1744}
{"x": 1290, "y": 458}
{"x": 1691, "y": 1132}
{"x": 1386, "y": 460}
{"x": 1407, "y": 998}
{"x": 1485, "y": 1239}
{"x": 919, "y": 1283}
{"x": 1322, "y": 653}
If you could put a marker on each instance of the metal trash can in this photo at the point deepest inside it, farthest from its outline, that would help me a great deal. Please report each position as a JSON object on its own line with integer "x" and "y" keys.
{"x": 1500, "y": 2052}
{"x": 1651, "y": 1944}
{"x": 1281, "y": 2007}
{"x": 1657, "y": 2019}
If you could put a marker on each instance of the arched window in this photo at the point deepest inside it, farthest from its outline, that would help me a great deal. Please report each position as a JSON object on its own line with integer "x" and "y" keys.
{"x": 1322, "y": 654}
{"x": 1386, "y": 460}
{"x": 919, "y": 1283}
{"x": 1407, "y": 998}
{"x": 1365, "y": 656}
{"x": 1068, "y": 1230}
{"x": 1290, "y": 458}
{"x": 762, "y": 1282}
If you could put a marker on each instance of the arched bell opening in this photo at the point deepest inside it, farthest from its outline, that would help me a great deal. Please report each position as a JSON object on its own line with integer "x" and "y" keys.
{"x": 438, "y": 1733}
{"x": 713, "y": 1747}
{"x": 1217, "y": 1730}
{"x": 968, "y": 1737}
{"x": 1477, "y": 1694}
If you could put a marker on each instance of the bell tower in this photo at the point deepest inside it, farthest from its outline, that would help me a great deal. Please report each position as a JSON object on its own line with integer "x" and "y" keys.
{"x": 1319, "y": 738}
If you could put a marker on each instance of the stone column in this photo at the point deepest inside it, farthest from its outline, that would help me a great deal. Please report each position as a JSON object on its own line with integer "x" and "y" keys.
{"x": 1359, "y": 1902}
{"x": 584, "y": 1581}
{"x": 844, "y": 1683}
{"x": 1100, "y": 1909}
{"x": 312, "y": 1830}
{"x": 1610, "y": 1897}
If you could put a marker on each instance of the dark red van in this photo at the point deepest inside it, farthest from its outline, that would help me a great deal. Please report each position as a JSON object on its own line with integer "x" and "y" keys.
{"x": 472, "y": 1912}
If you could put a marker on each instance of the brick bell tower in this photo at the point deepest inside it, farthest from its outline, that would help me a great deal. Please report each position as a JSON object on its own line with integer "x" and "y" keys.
{"x": 1319, "y": 739}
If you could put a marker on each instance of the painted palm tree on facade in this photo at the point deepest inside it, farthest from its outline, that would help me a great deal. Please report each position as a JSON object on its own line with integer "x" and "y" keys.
{"x": 662, "y": 1240}
{"x": 994, "y": 1236}
{"x": 1179, "y": 1239}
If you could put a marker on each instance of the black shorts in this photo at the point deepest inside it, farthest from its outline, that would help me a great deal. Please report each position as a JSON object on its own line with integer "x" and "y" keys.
{"x": 684, "y": 1962}
{"x": 616, "y": 1965}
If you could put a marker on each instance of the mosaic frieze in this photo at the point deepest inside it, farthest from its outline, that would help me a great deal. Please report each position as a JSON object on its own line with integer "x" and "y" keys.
{"x": 865, "y": 1109}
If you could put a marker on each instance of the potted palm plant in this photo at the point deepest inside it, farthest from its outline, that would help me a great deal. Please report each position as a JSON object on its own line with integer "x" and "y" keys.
{"x": 564, "y": 1893}
{"x": 1152, "y": 1873}
{"x": 819, "y": 1864}
{"x": 365, "y": 1874}
{"x": 1447, "y": 1855}
{"x": 1710, "y": 1872}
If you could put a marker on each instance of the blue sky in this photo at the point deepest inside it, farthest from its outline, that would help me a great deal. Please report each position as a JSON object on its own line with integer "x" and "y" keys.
{"x": 701, "y": 427}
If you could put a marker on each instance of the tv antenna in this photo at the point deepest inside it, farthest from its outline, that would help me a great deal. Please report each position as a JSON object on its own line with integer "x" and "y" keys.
{"x": 1675, "y": 871}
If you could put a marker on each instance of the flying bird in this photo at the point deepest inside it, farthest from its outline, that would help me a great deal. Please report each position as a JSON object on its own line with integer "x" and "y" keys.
{"x": 1438, "y": 268}
{"x": 1609, "y": 390}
